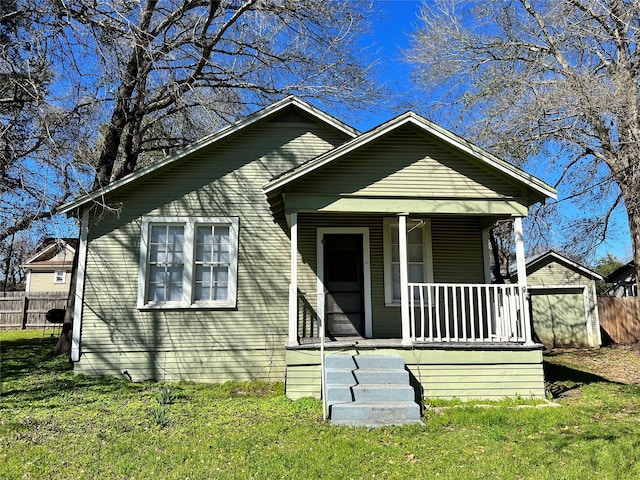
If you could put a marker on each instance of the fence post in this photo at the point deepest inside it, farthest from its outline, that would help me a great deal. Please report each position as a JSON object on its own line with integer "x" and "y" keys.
{"x": 25, "y": 311}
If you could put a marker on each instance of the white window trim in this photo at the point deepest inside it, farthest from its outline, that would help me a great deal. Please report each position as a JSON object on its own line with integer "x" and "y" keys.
{"x": 427, "y": 255}
{"x": 187, "y": 301}
{"x": 55, "y": 277}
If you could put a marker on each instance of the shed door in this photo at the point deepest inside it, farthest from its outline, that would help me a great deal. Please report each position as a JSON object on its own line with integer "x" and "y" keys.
{"x": 558, "y": 317}
{"x": 343, "y": 281}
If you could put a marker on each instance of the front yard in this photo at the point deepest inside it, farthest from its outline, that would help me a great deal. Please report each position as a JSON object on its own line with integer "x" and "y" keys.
{"x": 54, "y": 424}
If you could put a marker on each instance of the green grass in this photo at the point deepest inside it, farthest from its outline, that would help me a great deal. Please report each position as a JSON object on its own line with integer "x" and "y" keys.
{"x": 54, "y": 424}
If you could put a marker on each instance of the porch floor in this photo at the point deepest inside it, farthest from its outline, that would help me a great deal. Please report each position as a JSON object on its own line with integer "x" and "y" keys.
{"x": 313, "y": 343}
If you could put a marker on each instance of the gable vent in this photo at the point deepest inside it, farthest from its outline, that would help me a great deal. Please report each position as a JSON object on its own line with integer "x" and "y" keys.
{"x": 292, "y": 117}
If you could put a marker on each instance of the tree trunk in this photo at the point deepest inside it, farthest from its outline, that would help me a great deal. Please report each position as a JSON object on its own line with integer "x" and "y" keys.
{"x": 634, "y": 226}
{"x": 64, "y": 341}
{"x": 495, "y": 250}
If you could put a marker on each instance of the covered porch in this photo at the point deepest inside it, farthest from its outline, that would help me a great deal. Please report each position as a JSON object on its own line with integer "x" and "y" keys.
{"x": 389, "y": 278}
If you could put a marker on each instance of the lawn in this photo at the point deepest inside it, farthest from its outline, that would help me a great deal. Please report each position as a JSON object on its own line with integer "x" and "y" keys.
{"x": 54, "y": 424}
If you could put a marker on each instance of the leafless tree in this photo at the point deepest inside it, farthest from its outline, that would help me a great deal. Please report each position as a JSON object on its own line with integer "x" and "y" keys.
{"x": 132, "y": 80}
{"x": 168, "y": 71}
{"x": 555, "y": 82}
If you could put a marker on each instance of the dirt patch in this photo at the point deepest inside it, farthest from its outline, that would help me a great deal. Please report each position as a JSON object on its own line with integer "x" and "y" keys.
{"x": 618, "y": 363}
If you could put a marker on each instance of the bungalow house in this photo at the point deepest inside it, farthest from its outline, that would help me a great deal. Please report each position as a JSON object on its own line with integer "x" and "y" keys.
{"x": 49, "y": 268}
{"x": 623, "y": 280}
{"x": 289, "y": 233}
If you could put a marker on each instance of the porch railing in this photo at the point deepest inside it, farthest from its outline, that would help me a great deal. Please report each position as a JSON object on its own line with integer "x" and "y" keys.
{"x": 468, "y": 313}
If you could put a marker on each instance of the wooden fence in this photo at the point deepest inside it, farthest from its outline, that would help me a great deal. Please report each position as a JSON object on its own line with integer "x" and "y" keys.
{"x": 620, "y": 318}
{"x": 19, "y": 310}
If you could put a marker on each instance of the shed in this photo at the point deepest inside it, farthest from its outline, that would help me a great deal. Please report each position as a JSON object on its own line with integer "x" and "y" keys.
{"x": 564, "y": 311}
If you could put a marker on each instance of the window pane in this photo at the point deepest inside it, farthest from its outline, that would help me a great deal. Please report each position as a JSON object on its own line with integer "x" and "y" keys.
{"x": 203, "y": 274}
{"x": 221, "y": 275}
{"x": 414, "y": 235}
{"x": 221, "y": 235}
{"x": 156, "y": 293}
{"x": 202, "y": 292}
{"x": 395, "y": 253}
{"x": 174, "y": 292}
{"x": 414, "y": 253}
{"x": 220, "y": 293}
{"x": 416, "y": 273}
{"x": 395, "y": 281}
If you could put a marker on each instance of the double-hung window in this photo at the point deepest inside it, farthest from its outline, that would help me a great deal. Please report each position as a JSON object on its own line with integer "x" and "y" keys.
{"x": 188, "y": 262}
{"x": 419, "y": 261}
{"x": 59, "y": 276}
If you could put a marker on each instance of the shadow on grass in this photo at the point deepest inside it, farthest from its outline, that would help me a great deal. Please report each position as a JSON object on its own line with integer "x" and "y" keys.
{"x": 560, "y": 380}
{"x": 28, "y": 372}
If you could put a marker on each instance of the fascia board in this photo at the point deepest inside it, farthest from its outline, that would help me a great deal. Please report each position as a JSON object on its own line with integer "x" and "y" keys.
{"x": 564, "y": 260}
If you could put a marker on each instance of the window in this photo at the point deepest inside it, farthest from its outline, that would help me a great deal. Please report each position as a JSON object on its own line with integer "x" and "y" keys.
{"x": 188, "y": 262}
{"x": 419, "y": 262}
{"x": 59, "y": 276}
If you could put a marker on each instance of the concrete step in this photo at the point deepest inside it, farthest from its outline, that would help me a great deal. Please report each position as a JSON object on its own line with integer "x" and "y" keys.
{"x": 379, "y": 362}
{"x": 339, "y": 393}
{"x": 340, "y": 376}
{"x": 375, "y": 413}
{"x": 381, "y": 376}
{"x": 382, "y": 393}
{"x": 339, "y": 361}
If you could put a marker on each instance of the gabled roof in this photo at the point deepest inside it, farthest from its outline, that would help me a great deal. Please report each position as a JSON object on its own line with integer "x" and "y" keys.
{"x": 626, "y": 269}
{"x": 410, "y": 118}
{"x": 536, "y": 262}
{"x": 49, "y": 248}
{"x": 267, "y": 112}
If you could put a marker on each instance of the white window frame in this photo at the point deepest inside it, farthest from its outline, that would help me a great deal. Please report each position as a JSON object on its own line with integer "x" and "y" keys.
{"x": 187, "y": 301}
{"x": 425, "y": 225}
{"x": 59, "y": 280}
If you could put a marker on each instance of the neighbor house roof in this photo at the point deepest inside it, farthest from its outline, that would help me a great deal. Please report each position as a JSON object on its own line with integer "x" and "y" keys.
{"x": 267, "y": 112}
{"x": 535, "y": 262}
{"x": 622, "y": 271}
{"x": 541, "y": 189}
{"x": 49, "y": 248}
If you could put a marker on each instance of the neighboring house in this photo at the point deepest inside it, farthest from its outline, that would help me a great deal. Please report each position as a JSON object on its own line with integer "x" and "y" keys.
{"x": 49, "y": 269}
{"x": 623, "y": 280}
{"x": 564, "y": 306}
{"x": 223, "y": 260}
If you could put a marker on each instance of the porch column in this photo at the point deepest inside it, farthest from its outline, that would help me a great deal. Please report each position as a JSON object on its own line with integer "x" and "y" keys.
{"x": 404, "y": 279}
{"x": 522, "y": 277}
{"x": 293, "y": 285}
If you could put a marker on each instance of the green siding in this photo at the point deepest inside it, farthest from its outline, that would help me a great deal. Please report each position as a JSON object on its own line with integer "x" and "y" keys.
{"x": 203, "y": 345}
{"x": 408, "y": 162}
{"x": 559, "y": 317}
{"x": 563, "y": 316}
{"x": 457, "y": 250}
{"x": 443, "y": 373}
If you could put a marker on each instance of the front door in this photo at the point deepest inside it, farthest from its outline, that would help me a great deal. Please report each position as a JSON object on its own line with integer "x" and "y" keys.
{"x": 344, "y": 284}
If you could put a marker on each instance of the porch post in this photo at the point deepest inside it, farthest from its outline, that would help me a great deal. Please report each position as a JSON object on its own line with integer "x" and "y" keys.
{"x": 404, "y": 279}
{"x": 293, "y": 285}
{"x": 522, "y": 277}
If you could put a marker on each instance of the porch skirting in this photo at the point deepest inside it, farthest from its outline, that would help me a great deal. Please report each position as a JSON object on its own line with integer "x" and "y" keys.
{"x": 463, "y": 371}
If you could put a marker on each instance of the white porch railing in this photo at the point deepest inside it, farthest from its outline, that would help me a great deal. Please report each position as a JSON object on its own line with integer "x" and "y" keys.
{"x": 468, "y": 313}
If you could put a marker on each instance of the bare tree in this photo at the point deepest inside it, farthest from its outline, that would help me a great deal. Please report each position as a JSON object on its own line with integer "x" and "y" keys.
{"x": 555, "y": 82}
{"x": 151, "y": 75}
{"x": 168, "y": 71}
{"x": 38, "y": 136}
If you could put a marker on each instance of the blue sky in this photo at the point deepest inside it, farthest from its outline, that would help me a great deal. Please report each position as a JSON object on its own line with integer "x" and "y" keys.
{"x": 390, "y": 36}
